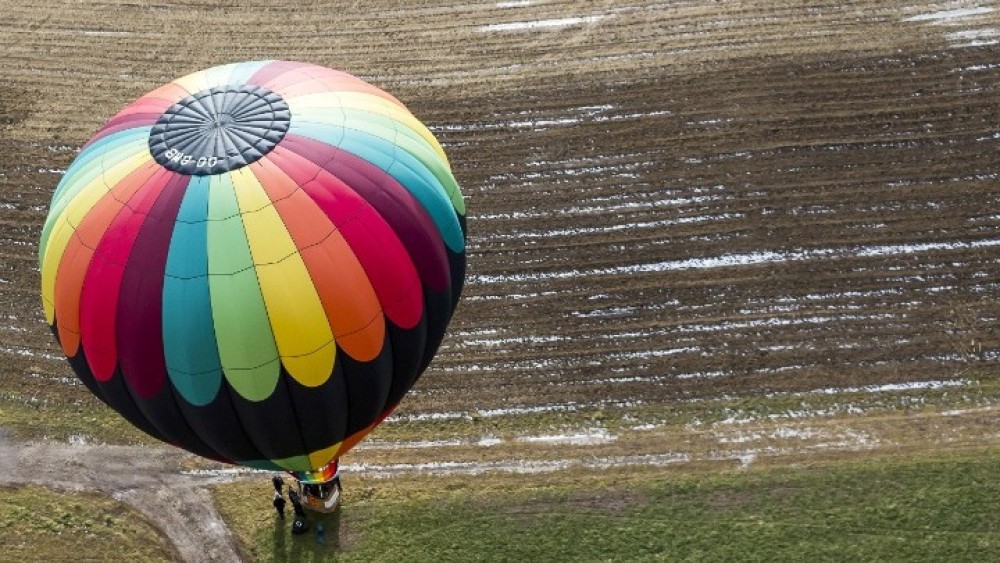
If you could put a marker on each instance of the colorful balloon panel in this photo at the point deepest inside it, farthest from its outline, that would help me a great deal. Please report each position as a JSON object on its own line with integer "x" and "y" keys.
{"x": 255, "y": 262}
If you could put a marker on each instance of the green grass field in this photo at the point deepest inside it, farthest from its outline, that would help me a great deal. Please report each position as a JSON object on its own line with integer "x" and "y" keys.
{"x": 40, "y": 524}
{"x": 55, "y": 419}
{"x": 936, "y": 508}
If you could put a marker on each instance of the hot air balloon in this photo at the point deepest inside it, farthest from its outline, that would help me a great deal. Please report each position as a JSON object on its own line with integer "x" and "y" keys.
{"x": 255, "y": 262}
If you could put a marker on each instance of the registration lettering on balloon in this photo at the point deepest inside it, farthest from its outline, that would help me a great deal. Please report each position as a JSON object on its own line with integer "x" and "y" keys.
{"x": 178, "y": 156}
{"x": 256, "y": 262}
{"x": 186, "y": 159}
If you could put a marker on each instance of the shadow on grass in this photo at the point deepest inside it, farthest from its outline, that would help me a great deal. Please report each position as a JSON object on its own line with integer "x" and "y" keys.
{"x": 321, "y": 542}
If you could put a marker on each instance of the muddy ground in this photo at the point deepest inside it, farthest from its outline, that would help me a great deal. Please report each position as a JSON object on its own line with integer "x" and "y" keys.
{"x": 668, "y": 201}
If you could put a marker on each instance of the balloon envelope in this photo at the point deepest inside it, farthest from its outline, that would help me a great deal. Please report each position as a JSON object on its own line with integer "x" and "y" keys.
{"x": 255, "y": 262}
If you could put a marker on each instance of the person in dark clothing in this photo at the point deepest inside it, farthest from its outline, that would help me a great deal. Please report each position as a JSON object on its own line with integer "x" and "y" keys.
{"x": 279, "y": 505}
{"x": 296, "y": 503}
{"x": 336, "y": 474}
{"x": 278, "y": 482}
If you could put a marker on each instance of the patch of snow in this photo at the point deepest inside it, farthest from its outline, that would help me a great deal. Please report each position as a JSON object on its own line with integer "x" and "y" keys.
{"x": 610, "y": 312}
{"x": 414, "y": 445}
{"x": 31, "y": 353}
{"x": 959, "y": 412}
{"x": 600, "y": 436}
{"x": 542, "y": 24}
{"x": 747, "y": 259}
{"x": 647, "y": 354}
{"x": 513, "y": 465}
{"x": 419, "y": 417}
{"x": 224, "y": 472}
{"x": 492, "y": 413}
{"x": 977, "y": 67}
{"x": 974, "y": 37}
{"x": 702, "y": 374}
{"x": 948, "y": 16}
{"x": 102, "y": 33}
{"x": 657, "y": 460}
{"x": 577, "y": 231}
{"x": 792, "y": 433}
{"x": 617, "y": 380}
{"x": 460, "y": 467}
{"x": 889, "y": 387}
{"x": 507, "y": 342}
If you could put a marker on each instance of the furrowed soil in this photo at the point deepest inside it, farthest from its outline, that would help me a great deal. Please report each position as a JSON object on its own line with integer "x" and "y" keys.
{"x": 699, "y": 232}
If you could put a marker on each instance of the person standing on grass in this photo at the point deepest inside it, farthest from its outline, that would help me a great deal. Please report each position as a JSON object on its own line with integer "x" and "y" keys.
{"x": 279, "y": 504}
{"x": 296, "y": 503}
{"x": 277, "y": 482}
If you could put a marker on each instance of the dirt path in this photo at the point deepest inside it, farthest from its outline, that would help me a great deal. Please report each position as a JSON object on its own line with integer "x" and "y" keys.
{"x": 149, "y": 479}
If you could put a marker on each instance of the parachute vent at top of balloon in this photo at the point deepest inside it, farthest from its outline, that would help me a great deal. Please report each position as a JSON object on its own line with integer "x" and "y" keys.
{"x": 255, "y": 262}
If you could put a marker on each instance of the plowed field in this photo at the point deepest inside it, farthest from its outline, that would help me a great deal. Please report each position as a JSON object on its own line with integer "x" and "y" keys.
{"x": 682, "y": 215}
